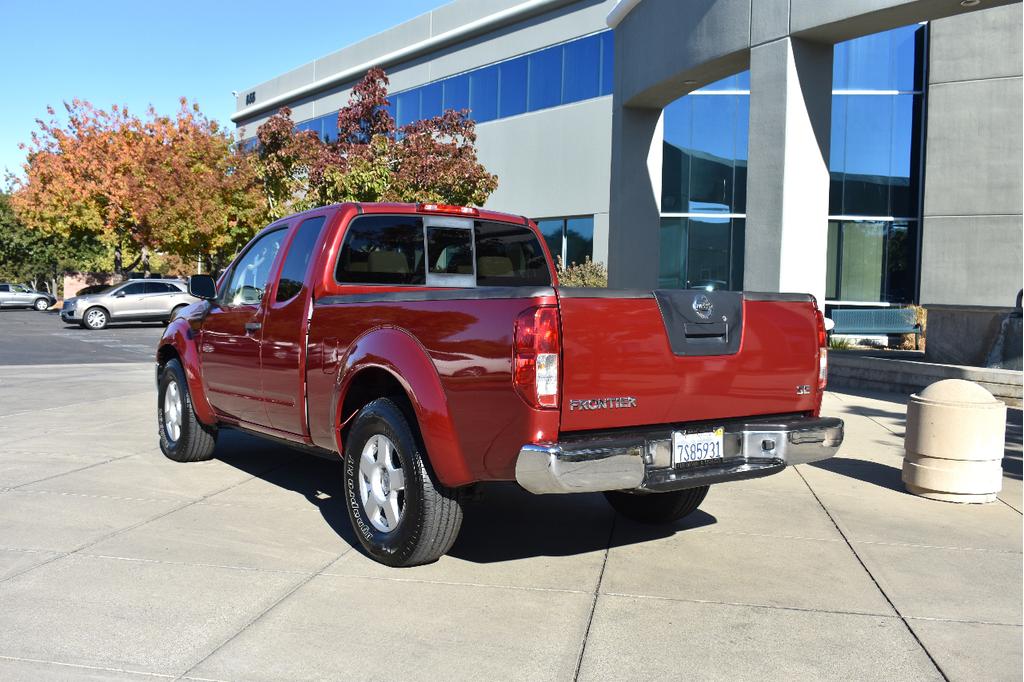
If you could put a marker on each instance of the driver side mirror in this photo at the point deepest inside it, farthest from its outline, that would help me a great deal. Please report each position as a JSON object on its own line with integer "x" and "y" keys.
{"x": 202, "y": 286}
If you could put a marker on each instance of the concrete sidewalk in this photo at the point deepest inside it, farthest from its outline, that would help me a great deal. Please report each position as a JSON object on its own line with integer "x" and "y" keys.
{"x": 116, "y": 563}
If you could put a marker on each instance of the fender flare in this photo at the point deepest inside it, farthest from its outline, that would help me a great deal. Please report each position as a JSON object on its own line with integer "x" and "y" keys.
{"x": 180, "y": 336}
{"x": 399, "y": 353}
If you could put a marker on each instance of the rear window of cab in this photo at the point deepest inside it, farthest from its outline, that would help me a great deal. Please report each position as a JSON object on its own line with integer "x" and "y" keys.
{"x": 440, "y": 251}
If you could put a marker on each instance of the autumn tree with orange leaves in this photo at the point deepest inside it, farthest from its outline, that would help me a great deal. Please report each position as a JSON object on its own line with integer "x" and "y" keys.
{"x": 172, "y": 184}
{"x": 180, "y": 185}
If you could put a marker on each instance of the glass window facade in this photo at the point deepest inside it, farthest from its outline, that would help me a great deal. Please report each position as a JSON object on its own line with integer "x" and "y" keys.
{"x": 875, "y": 164}
{"x": 572, "y": 239}
{"x": 570, "y": 72}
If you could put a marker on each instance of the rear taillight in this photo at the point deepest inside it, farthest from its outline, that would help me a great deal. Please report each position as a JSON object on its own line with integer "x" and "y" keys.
{"x": 822, "y": 352}
{"x": 535, "y": 357}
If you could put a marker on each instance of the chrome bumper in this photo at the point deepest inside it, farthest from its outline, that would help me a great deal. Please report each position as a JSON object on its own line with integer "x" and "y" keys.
{"x": 642, "y": 460}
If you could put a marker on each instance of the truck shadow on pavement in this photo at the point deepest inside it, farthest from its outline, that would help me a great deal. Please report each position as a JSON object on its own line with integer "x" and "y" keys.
{"x": 502, "y": 521}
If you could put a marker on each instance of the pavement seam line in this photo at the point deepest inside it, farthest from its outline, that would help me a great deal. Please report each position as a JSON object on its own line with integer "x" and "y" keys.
{"x": 874, "y": 580}
{"x": 65, "y": 473}
{"x": 84, "y": 666}
{"x": 946, "y": 547}
{"x": 298, "y": 586}
{"x": 132, "y": 527}
{"x": 593, "y": 604}
{"x": 771, "y": 607}
{"x": 200, "y": 564}
{"x": 1008, "y": 504}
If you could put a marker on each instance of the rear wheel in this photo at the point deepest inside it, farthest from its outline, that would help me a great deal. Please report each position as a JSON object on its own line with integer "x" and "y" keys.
{"x": 401, "y": 513}
{"x": 95, "y": 318}
{"x": 657, "y": 507}
{"x": 183, "y": 437}
{"x": 41, "y": 304}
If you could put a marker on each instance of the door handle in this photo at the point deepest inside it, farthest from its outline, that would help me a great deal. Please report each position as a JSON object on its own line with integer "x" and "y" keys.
{"x": 251, "y": 327}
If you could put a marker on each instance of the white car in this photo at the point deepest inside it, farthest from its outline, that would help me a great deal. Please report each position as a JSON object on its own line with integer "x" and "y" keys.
{"x": 137, "y": 300}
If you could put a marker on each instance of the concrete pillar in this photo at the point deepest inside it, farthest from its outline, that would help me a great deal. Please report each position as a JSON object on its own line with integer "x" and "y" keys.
{"x": 633, "y": 212}
{"x": 787, "y": 171}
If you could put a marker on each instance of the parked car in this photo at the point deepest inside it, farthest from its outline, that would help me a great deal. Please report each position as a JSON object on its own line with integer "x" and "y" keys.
{"x": 136, "y": 300}
{"x": 20, "y": 296}
{"x": 431, "y": 348}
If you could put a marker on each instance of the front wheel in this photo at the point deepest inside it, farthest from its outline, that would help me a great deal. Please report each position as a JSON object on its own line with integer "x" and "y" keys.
{"x": 95, "y": 319}
{"x": 657, "y": 507}
{"x": 41, "y": 304}
{"x": 402, "y": 515}
{"x": 183, "y": 437}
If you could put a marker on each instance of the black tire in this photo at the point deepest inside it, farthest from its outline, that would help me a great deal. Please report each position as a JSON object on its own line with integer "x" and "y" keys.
{"x": 95, "y": 318}
{"x": 41, "y": 304}
{"x": 195, "y": 440}
{"x": 657, "y": 507}
{"x": 430, "y": 513}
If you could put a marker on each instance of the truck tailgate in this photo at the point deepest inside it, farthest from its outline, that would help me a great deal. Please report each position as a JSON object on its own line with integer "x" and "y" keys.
{"x": 632, "y": 359}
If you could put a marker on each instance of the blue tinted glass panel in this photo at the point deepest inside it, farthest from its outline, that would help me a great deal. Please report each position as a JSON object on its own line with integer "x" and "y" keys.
{"x": 868, "y": 143}
{"x": 672, "y": 255}
{"x": 607, "y": 62}
{"x": 407, "y": 105}
{"x": 512, "y": 87}
{"x": 456, "y": 93}
{"x": 545, "y": 79}
{"x": 708, "y": 253}
{"x": 581, "y": 69}
{"x": 390, "y": 108}
{"x": 329, "y": 127}
{"x": 711, "y": 162}
{"x": 483, "y": 94}
{"x": 869, "y": 61}
{"x": 904, "y": 50}
{"x": 904, "y": 155}
{"x": 840, "y": 66}
{"x": 739, "y": 190}
{"x": 675, "y": 164}
{"x": 552, "y": 231}
{"x": 431, "y": 100}
{"x": 837, "y": 154}
{"x": 579, "y": 239}
{"x": 743, "y": 81}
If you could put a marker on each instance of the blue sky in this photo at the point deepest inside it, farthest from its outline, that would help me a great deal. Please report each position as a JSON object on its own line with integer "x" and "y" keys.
{"x": 142, "y": 52}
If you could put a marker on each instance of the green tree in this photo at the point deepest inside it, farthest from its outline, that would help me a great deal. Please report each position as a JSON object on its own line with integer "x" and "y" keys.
{"x": 40, "y": 259}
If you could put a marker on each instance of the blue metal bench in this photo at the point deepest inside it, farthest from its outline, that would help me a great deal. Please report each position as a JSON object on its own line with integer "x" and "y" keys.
{"x": 876, "y": 321}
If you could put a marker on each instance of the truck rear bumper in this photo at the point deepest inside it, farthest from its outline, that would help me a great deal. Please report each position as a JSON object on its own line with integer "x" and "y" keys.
{"x": 642, "y": 460}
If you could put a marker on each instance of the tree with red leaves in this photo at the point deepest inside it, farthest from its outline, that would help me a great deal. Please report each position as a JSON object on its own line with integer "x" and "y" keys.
{"x": 433, "y": 160}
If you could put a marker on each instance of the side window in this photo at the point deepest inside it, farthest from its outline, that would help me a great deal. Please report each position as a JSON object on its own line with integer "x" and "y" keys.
{"x": 5, "y": 287}
{"x": 134, "y": 289}
{"x": 251, "y": 273}
{"x": 509, "y": 256}
{"x": 158, "y": 288}
{"x": 296, "y": 262}
{"x": 382, "y": 250}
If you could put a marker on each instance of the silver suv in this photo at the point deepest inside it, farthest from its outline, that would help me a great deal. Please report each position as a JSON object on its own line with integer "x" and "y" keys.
{"x": 134, "y": 300}
{"x": 18, "y": 296}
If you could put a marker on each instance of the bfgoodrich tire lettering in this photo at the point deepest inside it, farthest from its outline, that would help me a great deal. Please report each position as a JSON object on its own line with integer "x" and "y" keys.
{"x": 431, "y": 513}
{"x": 657, "y": 507}
{"x": 183, "y": 437}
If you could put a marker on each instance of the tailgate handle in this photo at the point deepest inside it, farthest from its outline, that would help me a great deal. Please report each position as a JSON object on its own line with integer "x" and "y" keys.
{"x": 710, "y": 330}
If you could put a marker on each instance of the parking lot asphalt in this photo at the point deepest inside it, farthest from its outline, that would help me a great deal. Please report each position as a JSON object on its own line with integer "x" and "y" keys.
{"x": 116, "y": 563}
{"x": 28, "y": 337}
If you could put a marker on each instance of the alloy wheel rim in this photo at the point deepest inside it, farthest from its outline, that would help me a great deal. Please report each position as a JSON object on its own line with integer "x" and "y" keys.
{"x": 41, "y": 305}
{"x": 382, "y": 483}
{"x": 172, "y": 412}
{"x": 94, "y": 318}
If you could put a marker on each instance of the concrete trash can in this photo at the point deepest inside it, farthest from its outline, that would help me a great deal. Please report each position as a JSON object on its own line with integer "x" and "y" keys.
{"x": 954, "y": 443}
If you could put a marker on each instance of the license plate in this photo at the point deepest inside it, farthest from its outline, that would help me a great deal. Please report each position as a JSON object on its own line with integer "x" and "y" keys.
{"x": 696, "y": 447}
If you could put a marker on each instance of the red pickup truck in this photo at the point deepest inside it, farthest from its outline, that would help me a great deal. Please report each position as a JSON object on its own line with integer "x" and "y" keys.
{"x": 430, "y": 348}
